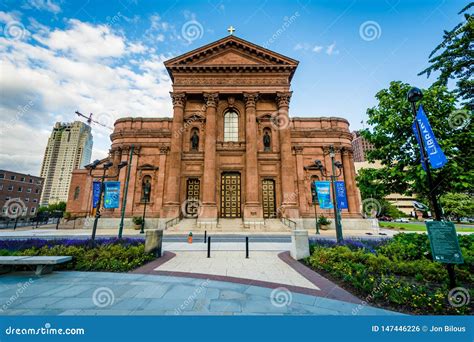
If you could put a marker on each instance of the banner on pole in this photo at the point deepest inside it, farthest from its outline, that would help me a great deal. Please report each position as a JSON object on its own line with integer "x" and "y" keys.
{"x": 111, "y": 195}
{"x": 95, "y": 193}
{"x": 323, "y": 189}
{"x": 341, "y": 195}
{"x": 436, "y": 157}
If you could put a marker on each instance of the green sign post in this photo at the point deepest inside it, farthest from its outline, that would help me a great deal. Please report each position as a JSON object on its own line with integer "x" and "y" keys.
{"x": 444, "y": 242}
{"x": 445, "y": 246}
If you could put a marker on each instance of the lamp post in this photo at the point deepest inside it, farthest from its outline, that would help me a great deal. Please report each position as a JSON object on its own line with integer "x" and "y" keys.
{"x": 125, "y": 192}
{"x": 314, "y": 197}
{"x": 146, "y": 194}
{"x": 105, "y": 167}
{"x": 318, "y": 165}
{"x": 414, "y": 95}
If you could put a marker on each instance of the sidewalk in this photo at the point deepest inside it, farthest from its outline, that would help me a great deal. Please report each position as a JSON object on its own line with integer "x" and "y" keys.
{"x": 95, "y": 293}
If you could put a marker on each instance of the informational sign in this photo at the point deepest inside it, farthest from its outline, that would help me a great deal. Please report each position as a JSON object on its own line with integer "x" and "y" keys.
{"x": 95, "y": 193}
{"x": 444, "y": 242}
{"x": 323, "y": 189}
{"x": 111, "y": 195}
{"x": 341, "y": 195}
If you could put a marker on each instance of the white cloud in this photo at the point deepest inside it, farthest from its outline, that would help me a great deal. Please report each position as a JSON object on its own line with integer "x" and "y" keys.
{"x": 6, "y": 17}
{"x": 331, "y": 50}
{"x": 84, "y": 67}
{"x": 46, "y": 5}
{"x": 317, "y": 48}
{"x": 83, "y": 40}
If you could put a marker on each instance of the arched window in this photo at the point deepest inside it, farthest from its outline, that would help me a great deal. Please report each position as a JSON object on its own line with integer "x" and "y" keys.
{"x": 231, "y": 126}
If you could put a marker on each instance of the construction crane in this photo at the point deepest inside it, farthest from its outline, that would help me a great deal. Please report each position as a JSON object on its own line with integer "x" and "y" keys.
{"x": 90, "y": 120}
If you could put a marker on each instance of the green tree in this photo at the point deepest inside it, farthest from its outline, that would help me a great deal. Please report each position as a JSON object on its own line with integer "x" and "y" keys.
{"x": 458, "y": 205}
{"x": 397, "y": 150}
{"x": 60, "y": 206}
{"x": 454, "y": 58}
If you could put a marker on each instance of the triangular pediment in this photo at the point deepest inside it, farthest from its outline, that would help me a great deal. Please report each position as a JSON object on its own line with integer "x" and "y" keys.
{"x": 230, "y": 51}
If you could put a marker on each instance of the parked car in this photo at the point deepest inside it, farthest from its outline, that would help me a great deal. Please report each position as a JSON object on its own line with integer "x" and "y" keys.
{"x": 385, "y": 218}
{"x": 402, "y": 220}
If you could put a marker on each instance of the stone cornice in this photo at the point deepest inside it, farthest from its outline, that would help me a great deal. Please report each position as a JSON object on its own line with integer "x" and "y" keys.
{"x": 146, "y": 133}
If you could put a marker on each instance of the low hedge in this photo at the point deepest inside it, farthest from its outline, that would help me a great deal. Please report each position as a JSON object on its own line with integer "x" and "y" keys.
{"x": 395, "y": 273}
{"x": 110, "y": 255}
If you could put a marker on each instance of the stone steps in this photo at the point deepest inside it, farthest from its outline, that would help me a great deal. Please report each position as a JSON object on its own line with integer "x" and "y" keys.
{"x": 229, "y": 225}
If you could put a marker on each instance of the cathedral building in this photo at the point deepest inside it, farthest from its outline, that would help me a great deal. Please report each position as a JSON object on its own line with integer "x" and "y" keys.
{"x": 231, "y": 149}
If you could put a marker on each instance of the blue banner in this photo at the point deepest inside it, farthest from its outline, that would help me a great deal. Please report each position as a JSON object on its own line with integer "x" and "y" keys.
{"x": 95, "y": 193}
{"x": 391, "y": 328}
{"x": 341, "y": 195}
{"x": 111, "y": 195}
{"x": 436, "y": 156}
{"x": 323, "y": 189}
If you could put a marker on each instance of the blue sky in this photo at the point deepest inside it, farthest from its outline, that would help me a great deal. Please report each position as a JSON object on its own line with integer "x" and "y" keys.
{"x": 106, "y": 57}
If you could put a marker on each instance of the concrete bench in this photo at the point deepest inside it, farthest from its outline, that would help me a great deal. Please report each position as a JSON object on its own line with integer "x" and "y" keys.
{"x": 44, "y": 264}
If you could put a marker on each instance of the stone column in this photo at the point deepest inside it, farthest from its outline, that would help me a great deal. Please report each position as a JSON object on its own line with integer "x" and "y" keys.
{"x": 164, "y": 150}
{"x": 349, "y": 179}
{"x": 253, "y": 209}
{"x": 290, "y": 195}
{"x": 300, "y": 179}
{"x": 209, "y": 207}
{"x": 172, "y": 205}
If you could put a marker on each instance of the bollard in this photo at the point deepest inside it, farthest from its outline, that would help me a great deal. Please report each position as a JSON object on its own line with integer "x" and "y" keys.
{"x": 209, "y": 247}
{"x": 246, "y": 247}
{"x": 205, "y": 236}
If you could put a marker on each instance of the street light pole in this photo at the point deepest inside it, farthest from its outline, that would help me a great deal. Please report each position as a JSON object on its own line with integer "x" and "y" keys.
{"x": 415, "y": 95}
{"x": 318, "y": 165}
{"x": 125, "y": 192}
{"x": 99, "y": 202}
{"x": 337, "y": 221}
{"x": 105, "y": 167}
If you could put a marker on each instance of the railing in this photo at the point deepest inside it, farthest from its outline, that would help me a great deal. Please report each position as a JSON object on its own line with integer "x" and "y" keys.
{"x": 289, "y": 223}
{"x": 172, "y": 222}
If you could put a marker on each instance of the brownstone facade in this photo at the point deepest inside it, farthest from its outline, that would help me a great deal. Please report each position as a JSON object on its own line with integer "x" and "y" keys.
{"x": 231, "y": 145}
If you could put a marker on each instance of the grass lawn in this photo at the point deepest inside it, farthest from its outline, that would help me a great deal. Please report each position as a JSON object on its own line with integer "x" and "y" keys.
{"x": 413, "y": 227}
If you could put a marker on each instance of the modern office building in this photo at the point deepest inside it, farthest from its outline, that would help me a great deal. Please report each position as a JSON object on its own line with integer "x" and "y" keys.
{"x": 69, "y": 147}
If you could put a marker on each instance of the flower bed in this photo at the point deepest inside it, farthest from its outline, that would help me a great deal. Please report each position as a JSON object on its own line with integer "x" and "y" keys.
{"x": 107, "y": 254}
{"x": 398, "y": 273}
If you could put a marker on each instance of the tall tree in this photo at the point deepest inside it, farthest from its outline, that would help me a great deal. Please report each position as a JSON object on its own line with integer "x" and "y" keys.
{"x": 397, "y": 150}
{"x": 454, "y": 58}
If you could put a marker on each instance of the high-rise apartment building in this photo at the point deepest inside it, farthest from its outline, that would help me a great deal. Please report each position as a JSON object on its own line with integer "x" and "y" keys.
{"x": 360, "y": 146}
{"x": 69, "y": 147}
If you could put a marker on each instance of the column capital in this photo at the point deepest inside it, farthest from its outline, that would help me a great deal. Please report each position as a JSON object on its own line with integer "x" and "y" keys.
{"x": 283, "y": 98}
{"x": 298, "y": 149}
{"x": 251, "y": 99}
{"x": 179, "y": 99}
{"x": 211, "y": 99}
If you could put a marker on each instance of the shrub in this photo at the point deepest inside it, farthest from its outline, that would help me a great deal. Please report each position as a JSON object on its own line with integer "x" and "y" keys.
{"x": 109, "y": 254}
{"x": 397, "y": 273}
